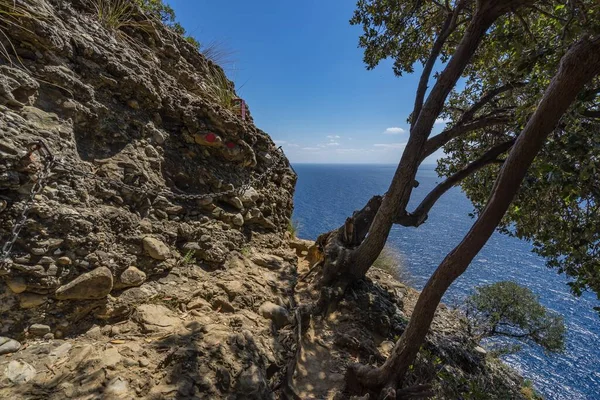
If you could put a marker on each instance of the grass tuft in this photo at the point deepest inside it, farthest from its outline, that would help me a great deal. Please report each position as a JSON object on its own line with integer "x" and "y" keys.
{"x": 390, "y": 261}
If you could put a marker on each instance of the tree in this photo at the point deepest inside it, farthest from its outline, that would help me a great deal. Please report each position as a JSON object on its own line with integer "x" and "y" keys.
{"x": 508, "y": 309}
{"x": 508, "y": 54}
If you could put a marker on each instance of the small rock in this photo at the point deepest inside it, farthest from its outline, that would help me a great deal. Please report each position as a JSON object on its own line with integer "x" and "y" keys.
{"x": 237, "y": 220}
{"x": 16, "y": 285}
{"x": 132, "y": 277}
{"x": 269, "y": 261}
{"x": 31, "y": 300}
{"x": 61, "y": 351}
{"x": 8, "y": 345}
{"x": 156, "y": 249}
{"x": 94, "y": 333}
{"x": 279, "y": 315}
{"x": 198, "y": 302}
{"x": 111, "y": 357}
{"x": 39, "y": 329}
{"x": 132, "y": 103}
{"x": 64, "y": 261}
{"x": 95, "y": 284}
{"x": 19, "y": 371}
{"x": 235, "y": 202}
{"x": 222, "y": 305}
{"x": 48, "y": 336}
{"x": 480, "y": 350}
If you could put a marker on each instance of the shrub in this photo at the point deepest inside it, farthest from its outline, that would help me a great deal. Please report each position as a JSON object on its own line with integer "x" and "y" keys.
{"x": 510, "y": 310}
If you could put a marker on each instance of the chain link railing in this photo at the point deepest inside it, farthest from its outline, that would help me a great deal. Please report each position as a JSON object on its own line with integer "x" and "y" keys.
{"x": 50, "y": 162}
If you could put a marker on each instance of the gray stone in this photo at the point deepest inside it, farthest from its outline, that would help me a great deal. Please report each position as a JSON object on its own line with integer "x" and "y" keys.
{"x": 18, "y": 372}
{"x": 8, "y": 345}
{"x": 132, "y": 277}
{"x": 279, "y": 315}
{"x": 39, "y": 329}
{"x": 117, "y": 388}
{"x": 156, "y": 249}
{"x": 95, "y": 284}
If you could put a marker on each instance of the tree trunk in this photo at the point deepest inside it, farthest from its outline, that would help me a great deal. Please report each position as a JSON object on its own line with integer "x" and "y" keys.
{"x": 578, "y": 66}
{"x": 356, "y": 262}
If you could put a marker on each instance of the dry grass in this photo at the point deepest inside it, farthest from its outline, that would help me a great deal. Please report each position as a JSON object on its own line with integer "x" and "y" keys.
{"x": 12, "y": 17}
{"x": 391, "y": 261}
{"x": 220, "y": 88}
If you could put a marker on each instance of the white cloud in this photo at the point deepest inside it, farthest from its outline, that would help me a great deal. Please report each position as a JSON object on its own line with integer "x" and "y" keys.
{"x": 292, "y": 145}
{"x": 440, "y": 121}
{"x": 333, "y": 144}
{"x": 394, "y": 130}
{"x": 311, "y": 148}
{"x": 280, "y": 142}
{"x": 331, "y": 137}
{"x": 390, "y": 145}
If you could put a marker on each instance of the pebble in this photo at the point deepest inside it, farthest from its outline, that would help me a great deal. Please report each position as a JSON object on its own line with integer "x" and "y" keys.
{"x": 156, "y": 249}
{"x": 8, "y": 345}
{"x": 39, "y": 329}
{"x": 132, "y": 276}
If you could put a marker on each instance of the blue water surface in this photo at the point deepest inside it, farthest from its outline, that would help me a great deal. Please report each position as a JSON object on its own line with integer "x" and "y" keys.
{"x": 327, "y": 194}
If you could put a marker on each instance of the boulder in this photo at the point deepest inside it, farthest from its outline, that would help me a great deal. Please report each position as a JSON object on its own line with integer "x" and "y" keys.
{"x": 237, "y": 220}
{"x": 156, "y": 249}
{"x": 95, "y": 284}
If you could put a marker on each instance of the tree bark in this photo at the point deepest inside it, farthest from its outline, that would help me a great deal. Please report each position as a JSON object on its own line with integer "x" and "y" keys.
{"x": 579, "y": 65}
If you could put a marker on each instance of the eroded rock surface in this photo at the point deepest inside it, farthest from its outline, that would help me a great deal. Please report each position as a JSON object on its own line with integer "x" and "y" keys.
{"x": 128, "y": 278}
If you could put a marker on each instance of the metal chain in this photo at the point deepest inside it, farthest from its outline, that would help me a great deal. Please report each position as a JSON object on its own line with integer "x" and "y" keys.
{"x": 14, "y": 234}
{"x": 50, "y": 162}
{"x": 170, "y": 193}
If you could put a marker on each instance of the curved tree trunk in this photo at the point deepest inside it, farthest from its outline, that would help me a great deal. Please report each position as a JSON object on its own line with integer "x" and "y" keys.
{"x": 350, "y": 264}
{"x": 578, "y": 66}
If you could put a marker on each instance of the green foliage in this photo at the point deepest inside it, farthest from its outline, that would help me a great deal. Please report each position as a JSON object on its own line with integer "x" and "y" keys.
{"x": 508, "y": 309}
{"x": 189, "y": 258}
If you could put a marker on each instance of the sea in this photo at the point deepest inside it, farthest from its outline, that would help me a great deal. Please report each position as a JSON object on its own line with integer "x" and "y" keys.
{"x": 328, "y": 193}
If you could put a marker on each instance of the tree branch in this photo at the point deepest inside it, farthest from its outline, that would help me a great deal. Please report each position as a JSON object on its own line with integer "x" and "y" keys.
{"x": 591, "y": 113}
{"x": 441, "y": 139}
{"x": 419, "y": 216}
{"x": 447, "y": 29}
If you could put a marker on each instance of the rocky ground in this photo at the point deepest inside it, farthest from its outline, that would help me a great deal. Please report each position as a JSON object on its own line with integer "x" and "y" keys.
{"x": 150, "y": 256}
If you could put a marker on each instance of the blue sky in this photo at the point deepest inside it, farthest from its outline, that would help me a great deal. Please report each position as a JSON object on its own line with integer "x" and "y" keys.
{"x": 298, "y": 66}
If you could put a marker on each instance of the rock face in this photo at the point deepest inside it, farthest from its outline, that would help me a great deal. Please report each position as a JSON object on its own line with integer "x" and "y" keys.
{"x": 141, "y": 233}
{"x": 150, "y": 159}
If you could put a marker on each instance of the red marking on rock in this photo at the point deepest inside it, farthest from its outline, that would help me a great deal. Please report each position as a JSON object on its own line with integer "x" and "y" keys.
{"x": 230, "y": 145}
{"x": 210, "y": 137}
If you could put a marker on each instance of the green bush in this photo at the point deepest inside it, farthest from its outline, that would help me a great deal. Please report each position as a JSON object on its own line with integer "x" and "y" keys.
{"x": 510, "y": 310}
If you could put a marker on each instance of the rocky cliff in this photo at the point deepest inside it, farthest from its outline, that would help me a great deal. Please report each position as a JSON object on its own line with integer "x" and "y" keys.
{"x": 154, "y": 194}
